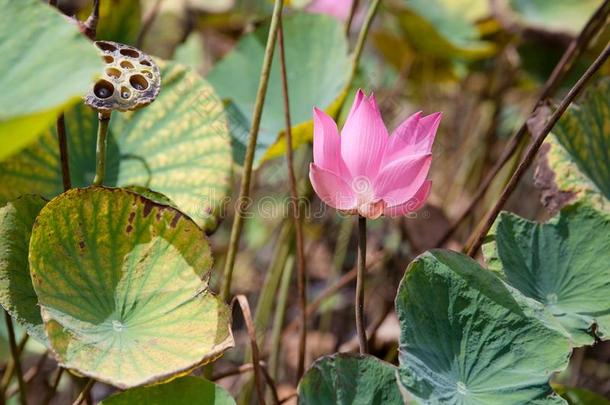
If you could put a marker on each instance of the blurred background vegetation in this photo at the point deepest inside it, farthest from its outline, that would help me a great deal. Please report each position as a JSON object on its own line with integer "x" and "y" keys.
{"x": 481, "y": 62}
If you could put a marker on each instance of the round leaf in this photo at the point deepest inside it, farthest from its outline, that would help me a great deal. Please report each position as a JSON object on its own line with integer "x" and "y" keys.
{"x": 178, "y": 146}
{"x": 557, "y": 15}
{"x": 468, "y": 338}
{"x": 345, "y": 378}
{"x": 561, "y": 264}
{"x": 579, "y": 154}
{"x": 46, "y": 65}
{"x": 317, "y": 67}
{"x": 445, "y": 28}
{"x": 120, "y": 282}
{"x": 17, "y": 295}
{"x": 181, "y": 391}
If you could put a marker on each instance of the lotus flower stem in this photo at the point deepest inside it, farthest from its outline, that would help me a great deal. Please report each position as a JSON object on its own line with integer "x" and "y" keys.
{"x": 244, "y": 191}
{"x": 102, "y": 131}
{"x": 296, "y": 217}
{"x": 15, "y": 354}
{"x": 360, "y": 326}
{"x": 578, "y": 45}
{"x": 530, "y": 155}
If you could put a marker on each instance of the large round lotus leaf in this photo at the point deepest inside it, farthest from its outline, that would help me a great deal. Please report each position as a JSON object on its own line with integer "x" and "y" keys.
{"x": 181, "y": 391}
{"x": 579, "y": 153}
{"x": 178, "y": 146}
{"x": 563, "y": 264}
{"x": 349, "y": 379}
{"x": 317, "y": 66}
{"x": 46, "y": 65}
{"x": 17, "y": 295}
{"x": 121, "y": 284}
{"x": 468, "y": 338}
{"x": 555, "y": 15}
{"x": 446, "y": 28}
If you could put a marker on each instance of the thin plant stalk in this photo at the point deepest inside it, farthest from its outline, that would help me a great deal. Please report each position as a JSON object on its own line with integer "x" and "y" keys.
{"x": 85, "y": 392}
{"x": 56, "y": 380}
{"x": 361, "y": 266}
{"x": 102, "y": 132}
{"x": 359, "y": 47}
{"x": 9, "y": 370}
{"x": 15, "y": 353}
{"x": 350, "y": 18}
{"x": 278, "y": 319}
{"x": 296, "y": 215}
{"x": 244, "y": 192}
{"x": 530, "y": 155}
{"x": 572, "y": 53}
{"x": 63, "y": 152}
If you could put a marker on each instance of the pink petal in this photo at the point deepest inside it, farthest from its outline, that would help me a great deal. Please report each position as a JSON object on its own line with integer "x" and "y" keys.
{"x": 401, "y": 139}
{"x": 426, "y": 132}
{"x": 337, "y": 8}
{"x": 363, "y": 139}
{"x": 327, "y": 143}
{"x": 400, "y": 180}
{"x": 413, "y": 204}
{"x": 331, "y": 188}
{"x": 357, "y": 100}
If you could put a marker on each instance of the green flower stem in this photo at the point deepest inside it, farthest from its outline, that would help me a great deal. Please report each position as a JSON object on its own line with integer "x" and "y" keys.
{"x": 368, "y": 21}
{"x": 360, "y": 326}
{"x": 15, "y": 354}
{"x": 244, "y": 192}
{"x": 102, "y": 131}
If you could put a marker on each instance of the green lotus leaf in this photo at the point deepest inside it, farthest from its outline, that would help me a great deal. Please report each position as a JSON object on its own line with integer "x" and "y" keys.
{"x": 121, "y": 285}
{"x": 563, "y": 264}
{"x": 17, "y": 295}
{"x": 468, "y": 338}
{"x": 181, "y": 391}
{"x": 579, "y": 152}
{"x": 346, "y": 378}
{"x": 316, "y": 55}
{"x": 567, "y": 16}
{"x": 46, "y": 66}
{"x": 446, "y": 28}
{"x": 178, "y": 146}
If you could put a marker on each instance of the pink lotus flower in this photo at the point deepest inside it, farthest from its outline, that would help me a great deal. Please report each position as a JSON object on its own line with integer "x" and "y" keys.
{"x": 337, "y": 8}
{"x": 366, "y": 171}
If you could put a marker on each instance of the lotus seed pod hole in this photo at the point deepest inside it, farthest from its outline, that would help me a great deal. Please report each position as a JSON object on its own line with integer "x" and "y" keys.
{"x": 130, "y": 52}
{"x": 103, "y": 89}
{"x": 138, "y": 82}
{"x": 145, "y": 63}
{"x": 126, "y": 64}
{"x": 148, "y": 74}
{"x": 113, "y": 72}
{"x": 108, "y": 59}
{"x": 105, "y": 46}
{"x": 125, "y": 93}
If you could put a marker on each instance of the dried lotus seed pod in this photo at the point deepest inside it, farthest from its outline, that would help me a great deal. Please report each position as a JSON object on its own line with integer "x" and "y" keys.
{"x": 131, "y": 79}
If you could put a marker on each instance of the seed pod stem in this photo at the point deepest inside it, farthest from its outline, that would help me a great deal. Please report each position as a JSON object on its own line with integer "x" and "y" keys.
{"x": 102, "y": 131}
